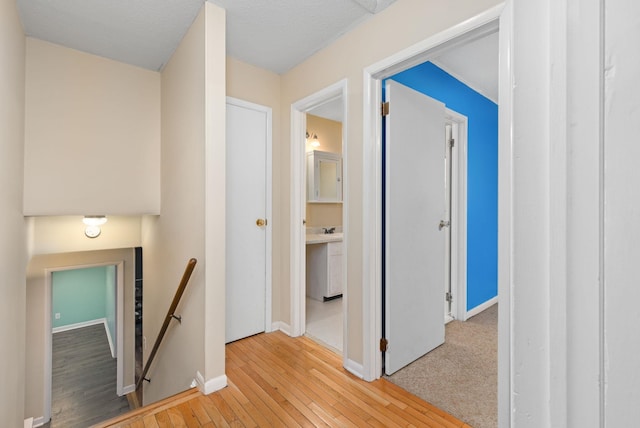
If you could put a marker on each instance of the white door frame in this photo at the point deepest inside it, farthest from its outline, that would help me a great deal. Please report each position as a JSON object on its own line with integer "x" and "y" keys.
{"x": 268, "y": 208}
{"x": 485, "y": 23}
{"x": 297, "y": 193}
{"x": 48, "y": 340}
{"x": 458, "y": 214}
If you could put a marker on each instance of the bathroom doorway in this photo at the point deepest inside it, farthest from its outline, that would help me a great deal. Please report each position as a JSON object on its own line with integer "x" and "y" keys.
{"x": 324, "y": 224}
{"x": 319, "y": 231}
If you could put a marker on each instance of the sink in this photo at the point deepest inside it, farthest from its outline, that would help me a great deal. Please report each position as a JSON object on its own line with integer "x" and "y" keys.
{"x": 319, "y": 238}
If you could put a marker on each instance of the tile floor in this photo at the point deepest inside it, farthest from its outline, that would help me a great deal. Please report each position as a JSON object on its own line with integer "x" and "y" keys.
{"x": 324, "y": 323}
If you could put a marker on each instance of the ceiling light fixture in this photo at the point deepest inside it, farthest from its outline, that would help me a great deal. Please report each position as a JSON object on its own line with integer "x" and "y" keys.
{"x": 93, "y": 223}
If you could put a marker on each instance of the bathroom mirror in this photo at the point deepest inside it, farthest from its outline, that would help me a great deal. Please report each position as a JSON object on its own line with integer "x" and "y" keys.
{"x": 324, "y": 177}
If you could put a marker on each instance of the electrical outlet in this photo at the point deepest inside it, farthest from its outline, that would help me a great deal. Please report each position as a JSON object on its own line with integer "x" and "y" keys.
{"x": 57, "y": 315}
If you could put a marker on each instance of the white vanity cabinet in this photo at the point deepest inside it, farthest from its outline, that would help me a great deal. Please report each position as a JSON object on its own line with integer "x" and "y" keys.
{"x": 324, "y": 270}
{"x": 324, "y": 177}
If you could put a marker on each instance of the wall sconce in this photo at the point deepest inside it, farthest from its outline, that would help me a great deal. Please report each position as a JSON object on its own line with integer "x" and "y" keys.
{"x": 93, "y": 223}
{"x": 313, "y": 139}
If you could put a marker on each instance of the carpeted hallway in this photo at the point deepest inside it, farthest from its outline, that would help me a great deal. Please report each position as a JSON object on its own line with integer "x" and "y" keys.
{"x": 460, "y": 376}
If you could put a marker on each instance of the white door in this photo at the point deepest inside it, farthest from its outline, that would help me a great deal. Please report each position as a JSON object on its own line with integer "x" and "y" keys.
{"x": 414, "y": 242}
{"x": 247, "y": 223}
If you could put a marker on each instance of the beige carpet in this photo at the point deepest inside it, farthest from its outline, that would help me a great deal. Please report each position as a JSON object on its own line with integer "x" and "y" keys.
{"x": 460, "y": 376}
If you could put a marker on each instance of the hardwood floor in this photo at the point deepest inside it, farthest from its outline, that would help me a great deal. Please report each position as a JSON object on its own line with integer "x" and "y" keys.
{"x": 275, "y": 380}
{"x": 83, "y": 379}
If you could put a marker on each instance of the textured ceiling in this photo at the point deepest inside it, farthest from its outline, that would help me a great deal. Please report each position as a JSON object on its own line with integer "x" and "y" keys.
{"x": 144, "y": 33}
{"x": 277, "y": 35}
{"x": 272, "y": 34}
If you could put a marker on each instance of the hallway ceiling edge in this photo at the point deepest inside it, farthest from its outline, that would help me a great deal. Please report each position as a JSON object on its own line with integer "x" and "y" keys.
{"x": 272, "y": 35}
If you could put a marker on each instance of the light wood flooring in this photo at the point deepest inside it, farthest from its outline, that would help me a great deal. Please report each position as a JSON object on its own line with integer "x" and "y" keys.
{"x": 278, "y": 381}
{"x": 83, "y": 379}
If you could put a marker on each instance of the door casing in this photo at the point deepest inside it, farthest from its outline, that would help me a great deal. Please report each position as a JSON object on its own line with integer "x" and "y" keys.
{"x": 297, "y": 194}
{"x": 121, "y": 389}
{"x": 497, "y": 18}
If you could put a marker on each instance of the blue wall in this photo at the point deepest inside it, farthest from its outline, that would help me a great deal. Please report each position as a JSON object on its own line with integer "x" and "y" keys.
{"x": 482, "y": 173}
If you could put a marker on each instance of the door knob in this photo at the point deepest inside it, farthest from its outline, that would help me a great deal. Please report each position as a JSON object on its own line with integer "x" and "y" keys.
{"x": 261, "y": 222}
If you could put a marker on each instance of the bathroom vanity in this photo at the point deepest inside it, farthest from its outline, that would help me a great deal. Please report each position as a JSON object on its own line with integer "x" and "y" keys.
{"x": 324, "y": 266}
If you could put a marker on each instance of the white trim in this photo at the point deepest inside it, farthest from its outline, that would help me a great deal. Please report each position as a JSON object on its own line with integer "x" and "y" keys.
{"x": 281, "y": 326}
{"x": 211, "y": 385}
{"x": 505, "y": 218}
{"x": 268, "y": 207}
{"x": 128, "y": 389}
{"x": 28, "y": 423}
{"x": 353, "y": 368}
{"x": 39, "y": 421}
{"x": 79, "y": 325}
{"x": 458, "y": 214}
{"x": 120, "y": 328}
{"x": 481, "y": 307}
{"x": 298, "y": 254}
{"x": 48, "y": 349}
{"x": 478, "y": 26}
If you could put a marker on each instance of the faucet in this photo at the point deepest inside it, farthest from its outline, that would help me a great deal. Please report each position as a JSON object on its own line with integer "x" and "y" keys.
{"x": 330, "y": 230}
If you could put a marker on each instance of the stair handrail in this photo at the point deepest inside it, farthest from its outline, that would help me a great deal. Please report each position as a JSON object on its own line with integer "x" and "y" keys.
{"x": 191, "y": 264}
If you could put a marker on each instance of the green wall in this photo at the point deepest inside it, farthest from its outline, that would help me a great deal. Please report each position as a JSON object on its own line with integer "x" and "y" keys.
{"x": 78, "y": 295}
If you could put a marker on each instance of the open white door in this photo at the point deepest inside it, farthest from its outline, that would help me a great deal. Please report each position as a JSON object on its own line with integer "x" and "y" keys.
{"x": 248, "y": 136}
{"x": 414, "y": 249}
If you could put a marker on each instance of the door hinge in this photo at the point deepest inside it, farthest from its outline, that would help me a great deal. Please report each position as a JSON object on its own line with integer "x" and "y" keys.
{"x": 384, "y": 344}
{"x": 448, "y": 297}
{"x": 452, "y": 143}
{"x": 385, "y": 109}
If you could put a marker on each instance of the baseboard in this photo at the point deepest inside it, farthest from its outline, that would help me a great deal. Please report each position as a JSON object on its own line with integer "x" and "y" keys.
{"x": 354, "y": 368}
{"x": 128, "y": 389}
{"x": 28, "y": 423}
{"x": 481, "y": 307}
{"x": 78, "y": 325}
{"x": 282, "y": 326}
{"x": 38, "y": 422}
{"x": 212, "y": 385}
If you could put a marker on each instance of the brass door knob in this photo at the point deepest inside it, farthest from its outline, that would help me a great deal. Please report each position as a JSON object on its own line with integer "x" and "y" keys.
{"x": 261, "y": 222}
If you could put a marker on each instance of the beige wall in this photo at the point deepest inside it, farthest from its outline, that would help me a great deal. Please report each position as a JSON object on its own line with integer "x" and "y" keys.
{"x": 193, "y": 107}
{"x": 92, "y": 134}
{"x": 65, "y": 234}
{"x": 329, "y": 134}
{"x": 34, "y": 375}
{"x": 13, "y": 249}
{"x": 256, "y": 85}
{"x": 405, "y": 23}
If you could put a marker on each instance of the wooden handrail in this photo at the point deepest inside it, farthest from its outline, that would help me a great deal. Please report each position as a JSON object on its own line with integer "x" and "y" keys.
{"x": 191, "y": 264}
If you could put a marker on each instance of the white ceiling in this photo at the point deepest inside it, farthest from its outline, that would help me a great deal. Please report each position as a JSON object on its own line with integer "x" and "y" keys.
{"x": 144, "y": 33}
{"x": 275, "y": 35}
{"x": 475, "y": 64}
{"x": 278, "y": 35}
